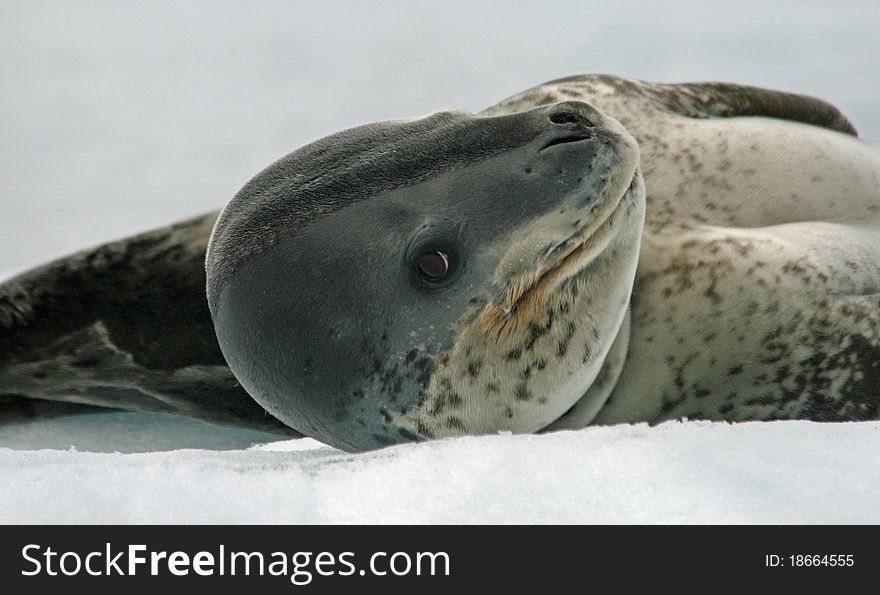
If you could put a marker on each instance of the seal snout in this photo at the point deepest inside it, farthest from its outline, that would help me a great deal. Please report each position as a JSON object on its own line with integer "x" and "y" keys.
{"x": 573, "y": 112}
{"x": 572, "y": 121}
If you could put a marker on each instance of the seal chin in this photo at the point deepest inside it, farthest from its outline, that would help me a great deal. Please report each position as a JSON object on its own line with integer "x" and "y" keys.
{"x": 574, "y": 254}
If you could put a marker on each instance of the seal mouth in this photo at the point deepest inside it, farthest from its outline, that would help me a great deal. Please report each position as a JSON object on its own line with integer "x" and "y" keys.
{"x": 572, "y": 254}
{"x": 572, "y": 137}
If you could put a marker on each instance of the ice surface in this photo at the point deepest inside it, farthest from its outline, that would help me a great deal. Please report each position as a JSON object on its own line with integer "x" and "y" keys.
{"x": 778, "y": 472}
{"x": 126, "y": 432}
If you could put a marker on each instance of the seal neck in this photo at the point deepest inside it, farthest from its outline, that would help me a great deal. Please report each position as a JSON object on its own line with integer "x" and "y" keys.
{"x": 588, "y": 406}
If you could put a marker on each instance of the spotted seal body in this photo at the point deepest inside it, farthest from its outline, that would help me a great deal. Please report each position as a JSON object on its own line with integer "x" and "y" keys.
{"x": 758, "y": 291}
{"x": 464, "y": 274}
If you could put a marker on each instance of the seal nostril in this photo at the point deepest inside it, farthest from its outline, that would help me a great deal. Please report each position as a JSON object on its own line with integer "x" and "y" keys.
{"x": 570, "y": 116}
{"x": 566, "y": 117}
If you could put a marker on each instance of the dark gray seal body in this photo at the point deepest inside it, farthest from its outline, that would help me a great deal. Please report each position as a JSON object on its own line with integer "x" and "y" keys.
{"x": 462, "y": 274}
{"x": 124, "y": 326}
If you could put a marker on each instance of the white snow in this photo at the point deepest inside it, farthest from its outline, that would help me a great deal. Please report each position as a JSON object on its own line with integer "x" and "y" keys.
{"x": 693, "y": 472}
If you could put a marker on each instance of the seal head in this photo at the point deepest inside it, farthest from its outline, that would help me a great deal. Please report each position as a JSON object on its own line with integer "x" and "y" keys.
{"x": 452, "y": 274}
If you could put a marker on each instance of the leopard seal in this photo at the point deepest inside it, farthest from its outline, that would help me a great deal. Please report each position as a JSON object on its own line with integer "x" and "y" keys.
{"x": 508, "y": 270}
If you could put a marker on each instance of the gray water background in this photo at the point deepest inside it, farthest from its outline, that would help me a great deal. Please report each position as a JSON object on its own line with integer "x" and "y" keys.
{"x": 116, "y": 117}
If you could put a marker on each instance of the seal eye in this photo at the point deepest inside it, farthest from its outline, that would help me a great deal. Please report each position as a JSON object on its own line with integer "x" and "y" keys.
{"x": 433, "y": 266}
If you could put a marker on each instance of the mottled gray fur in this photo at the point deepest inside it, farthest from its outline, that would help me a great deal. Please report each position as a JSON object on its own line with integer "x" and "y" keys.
{"x": 757, "y": 294}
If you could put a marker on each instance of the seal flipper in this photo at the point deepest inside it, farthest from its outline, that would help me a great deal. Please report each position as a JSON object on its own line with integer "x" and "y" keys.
{"x": 123, "y": 326}
{"x": 725, "y": 100}
{"x": 692, "y": 100}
